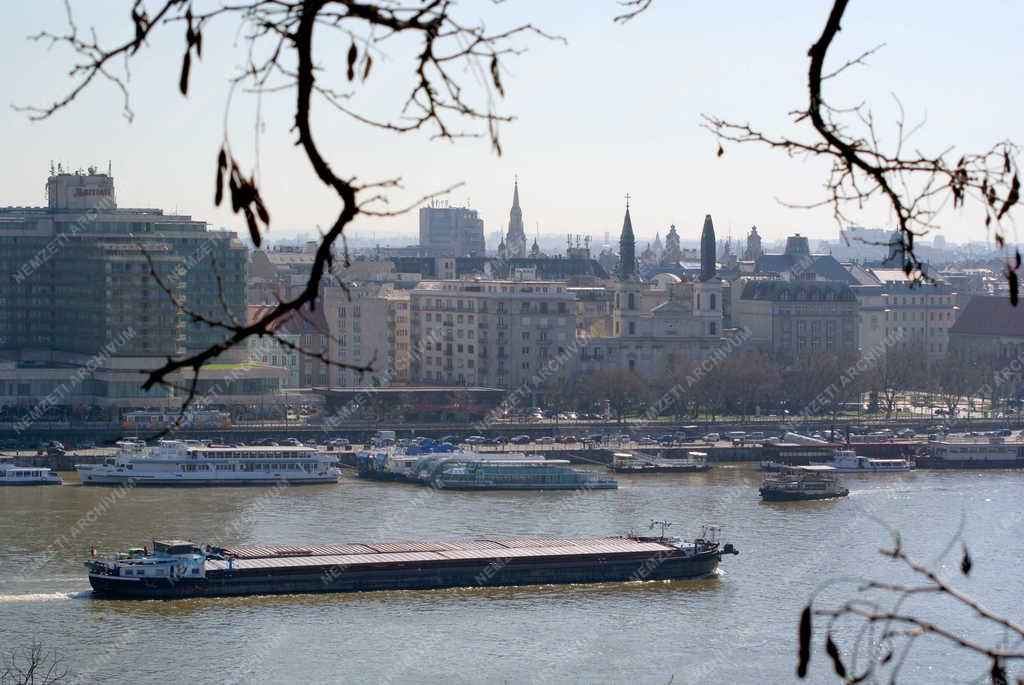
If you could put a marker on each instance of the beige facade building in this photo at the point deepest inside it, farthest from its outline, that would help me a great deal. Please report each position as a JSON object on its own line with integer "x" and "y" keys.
{"x": 370, "y": 328}
{"x": 489, "y": 333}
{"x": 918, "y": 316}
{"x": 788, "y": 318}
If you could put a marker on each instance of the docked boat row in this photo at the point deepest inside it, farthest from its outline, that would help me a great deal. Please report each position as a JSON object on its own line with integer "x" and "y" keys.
{"x": 180, "y": 569}
{"x": 464, "y": 470}
{"x": 193, "y": 463}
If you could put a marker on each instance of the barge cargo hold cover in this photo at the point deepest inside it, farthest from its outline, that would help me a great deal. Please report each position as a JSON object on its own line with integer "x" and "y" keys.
{"x": 177, "y": 569}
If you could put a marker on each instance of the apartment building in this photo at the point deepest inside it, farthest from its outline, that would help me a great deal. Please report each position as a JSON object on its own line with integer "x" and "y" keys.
{"x": 918, "y": 316}
{"x": 370, "y": 328}
{"x": 791, "y": 318}
{"x": 489, "y": 333}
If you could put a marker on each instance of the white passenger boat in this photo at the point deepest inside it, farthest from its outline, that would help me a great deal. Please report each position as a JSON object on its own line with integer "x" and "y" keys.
{"x": 848, "y": 461}
{"x": 192, "y": 463}
{"x": 991, "y": 453}
{"x": 27, "y": 475}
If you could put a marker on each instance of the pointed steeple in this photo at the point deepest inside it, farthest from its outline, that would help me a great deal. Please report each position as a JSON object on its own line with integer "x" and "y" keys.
{"x": 627, "y": 247}
{"x": 708, "y": 267}
{"x": 516, "y": 241}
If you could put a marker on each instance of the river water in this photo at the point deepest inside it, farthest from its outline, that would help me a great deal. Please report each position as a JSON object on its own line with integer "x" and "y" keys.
{"x": 738, "y": 627}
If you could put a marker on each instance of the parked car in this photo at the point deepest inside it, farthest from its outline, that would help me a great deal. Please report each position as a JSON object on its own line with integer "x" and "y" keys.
{"x": 568, "y": 439}
{"x": 453, "y": 439}
{"x": 521, "y": 440}
{"x": 754, "y": 436}
{"x": 647, "y": 441}
{"x": 712, "y": 438}
{"x": 475, "y": 440}
{"x": 546, "y": 440}
{"x": 666, "y": 439}
{"x": 595, "y": 438}
{"x": 498, "y": 440}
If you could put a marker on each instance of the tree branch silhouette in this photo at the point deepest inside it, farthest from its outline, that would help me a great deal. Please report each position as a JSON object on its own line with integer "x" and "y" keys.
{"x": 916, "y": 186}
{"x": 891, "y": 631}
{"x": 449, "y": 49}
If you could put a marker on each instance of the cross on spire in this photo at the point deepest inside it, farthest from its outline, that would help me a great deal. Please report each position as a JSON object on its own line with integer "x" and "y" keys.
{"x": 627, "y": 200}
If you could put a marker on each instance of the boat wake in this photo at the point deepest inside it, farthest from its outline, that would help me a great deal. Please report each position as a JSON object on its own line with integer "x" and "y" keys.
{"x": 44, "y": 596}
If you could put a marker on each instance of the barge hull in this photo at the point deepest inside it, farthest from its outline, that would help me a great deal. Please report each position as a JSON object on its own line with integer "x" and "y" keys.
{"x": 495, "y": 572}
{"x": 969, "y": 464}
{"x": 774, "y": 496}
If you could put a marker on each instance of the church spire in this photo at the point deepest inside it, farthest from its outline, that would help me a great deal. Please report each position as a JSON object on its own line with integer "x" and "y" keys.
{"x": 516, "y": 241}
{"x": 708, "y": 255}
{"x": 627, "y": 247}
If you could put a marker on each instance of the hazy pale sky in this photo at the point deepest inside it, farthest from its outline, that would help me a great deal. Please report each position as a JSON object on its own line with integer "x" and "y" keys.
{"x": 616, "y": 110}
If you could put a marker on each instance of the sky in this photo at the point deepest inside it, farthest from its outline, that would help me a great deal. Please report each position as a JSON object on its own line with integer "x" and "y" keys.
{"x": 614, "y": 110}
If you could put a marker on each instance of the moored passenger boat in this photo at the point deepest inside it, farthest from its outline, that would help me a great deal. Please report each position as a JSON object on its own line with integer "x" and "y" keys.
{"x": 27, "y": 475}
{"x": 992, "y": 453}
{"x": 848, "y": 461}
{"x": 796, "y": 483}
{"x": 465, "y": 470}
{"x": 178, "y": 568}
{"x": 192, "y": 463}
{"x": 633, "y": 462}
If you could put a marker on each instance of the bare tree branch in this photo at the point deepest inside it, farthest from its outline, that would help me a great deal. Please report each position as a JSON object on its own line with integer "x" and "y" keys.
{"x": 915, "y": 186}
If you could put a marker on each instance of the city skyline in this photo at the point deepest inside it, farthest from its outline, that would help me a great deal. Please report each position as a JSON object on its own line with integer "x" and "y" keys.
{"x": 565, "y": 97}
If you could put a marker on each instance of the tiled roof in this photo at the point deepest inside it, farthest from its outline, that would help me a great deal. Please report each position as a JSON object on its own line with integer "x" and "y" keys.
{"x": 990, "y": 316}
{"x": 798, "y": 291}
{"x": 826, "y": 266}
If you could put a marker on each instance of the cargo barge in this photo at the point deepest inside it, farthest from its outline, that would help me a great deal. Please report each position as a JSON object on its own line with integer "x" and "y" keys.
{"x": 181, "y": 569}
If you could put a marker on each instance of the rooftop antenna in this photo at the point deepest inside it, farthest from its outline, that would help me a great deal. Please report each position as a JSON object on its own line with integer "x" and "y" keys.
{"x": 110, "y": 168}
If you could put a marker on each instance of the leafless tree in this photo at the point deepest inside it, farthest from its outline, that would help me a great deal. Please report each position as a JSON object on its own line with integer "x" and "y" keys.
{"x": 900, "y": 370}
{"x": 955, "y": 379}
{"x": 33, "y": 665}
{"x": 623, "y": 389}
{"x": 915, "y": 185}
{"x": 887, "y": 629}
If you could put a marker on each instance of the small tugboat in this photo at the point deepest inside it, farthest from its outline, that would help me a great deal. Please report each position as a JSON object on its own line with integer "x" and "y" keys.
{"x": 848, "y": 461}
{"x": 797, "y": 483}
{"x": 28, "y": 475}
{"x": 634, "y": 462}
{"x": 180, "y": 568}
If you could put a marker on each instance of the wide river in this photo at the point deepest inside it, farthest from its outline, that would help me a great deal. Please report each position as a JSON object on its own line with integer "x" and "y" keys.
{"x": 738, "y": 627}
